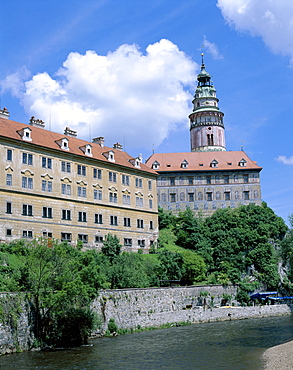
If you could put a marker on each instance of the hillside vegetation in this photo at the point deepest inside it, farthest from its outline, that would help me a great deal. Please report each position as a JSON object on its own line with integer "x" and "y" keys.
{"x": 248, "y": 245}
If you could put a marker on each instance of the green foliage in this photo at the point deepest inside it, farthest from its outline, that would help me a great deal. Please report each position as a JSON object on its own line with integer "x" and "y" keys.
{"x": 233, "y": 240}
{"x": 166, "y": 238}
{"x": 286, "y": 249}
{"x": 129, "y": 270}
{"x": 170, "y": 265}
{"x": 112, "y": 326}
{"x": 166, "y": 219}
{"x": 61, "y": 282}
{"x": 194, "y": 267}
{"x": 72, "y": 327}
{"x": 111, "y": 247}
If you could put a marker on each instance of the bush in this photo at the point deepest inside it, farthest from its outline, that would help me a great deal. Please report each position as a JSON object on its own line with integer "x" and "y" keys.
{"x": 112, "y": 327}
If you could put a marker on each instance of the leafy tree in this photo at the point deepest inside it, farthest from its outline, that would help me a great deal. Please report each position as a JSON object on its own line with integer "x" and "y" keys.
{"x": 128, "y": 271}
{"x": 170, "y": 265}
{"x": 193, "y": 268}
{"x": 166, "y": 219}
{"x": 60, "y": 288}
{"x": 111, "y": 247}
{"x": 166, "y": 237}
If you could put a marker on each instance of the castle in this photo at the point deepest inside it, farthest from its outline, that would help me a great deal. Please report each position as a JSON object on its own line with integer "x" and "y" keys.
{"x": 208, "y": 177}
{"x": 57, "y": 186}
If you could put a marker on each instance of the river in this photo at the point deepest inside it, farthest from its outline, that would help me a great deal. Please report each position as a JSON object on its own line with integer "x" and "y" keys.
{"x": 226, "y": 345}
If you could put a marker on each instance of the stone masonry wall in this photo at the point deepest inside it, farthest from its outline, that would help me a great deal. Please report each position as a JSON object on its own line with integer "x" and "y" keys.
{"x": 134, "y": 308}
{"x": 15, "y": 329}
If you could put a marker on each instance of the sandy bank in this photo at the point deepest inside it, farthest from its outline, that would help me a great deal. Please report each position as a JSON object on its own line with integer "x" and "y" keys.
{"x": 279, "y": 357}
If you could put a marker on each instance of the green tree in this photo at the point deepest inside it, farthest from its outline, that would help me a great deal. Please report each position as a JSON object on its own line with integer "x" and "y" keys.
{"x": 166, "y": 219}
{"x": 60, "y": 291}
{"x": 170, "y": 265}
{"x": 193, "y": 268}
{"x": 111, "y": 247}
{"x": 128, "y": 271}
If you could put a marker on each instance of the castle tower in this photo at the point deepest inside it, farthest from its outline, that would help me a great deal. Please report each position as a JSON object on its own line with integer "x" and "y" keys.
{"x": 207, "y": 132}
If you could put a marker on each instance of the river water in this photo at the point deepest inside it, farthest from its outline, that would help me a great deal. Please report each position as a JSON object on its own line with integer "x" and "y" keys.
{"x": 226, "y": 345}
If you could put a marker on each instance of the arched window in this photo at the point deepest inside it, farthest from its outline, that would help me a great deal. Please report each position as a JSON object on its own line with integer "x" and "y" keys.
{"x": 163, "y": 197}
{"x": 218, "y": 195}
{"x": 199, "y": 196}
{"x": 255, "y": 194}
{"x": 182, "y": 197}
{"x": 236, "y": 194}
{"x": 210, "y": 138}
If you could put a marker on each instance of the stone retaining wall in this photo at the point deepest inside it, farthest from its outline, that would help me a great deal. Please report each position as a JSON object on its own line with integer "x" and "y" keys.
{"x": 15, "y": 329}
{"x": 134, "y": 308}
{"x": 141, "y": 308}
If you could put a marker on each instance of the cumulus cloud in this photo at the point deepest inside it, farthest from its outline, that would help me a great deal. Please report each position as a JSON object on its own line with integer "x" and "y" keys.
{"x": 14, "y": 83}
{"x": 270, "y": 19}
{"x": 211, "y": 48}
{"x": 126, "y": 95}
{"x": 285, "y": 160}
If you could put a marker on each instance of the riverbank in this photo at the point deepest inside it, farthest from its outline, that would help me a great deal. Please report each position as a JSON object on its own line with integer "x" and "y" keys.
{"x": 153, "y": 307}
{"x": 279, "y": 357}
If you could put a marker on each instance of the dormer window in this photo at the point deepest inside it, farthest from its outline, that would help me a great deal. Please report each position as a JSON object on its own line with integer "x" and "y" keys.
{"x": 63, "y": 143}
{"x": 87, "y": 150}
{"x": 135, "y": 162}
{"x": 184, "y": 164}
{"x": 25, "y": 134}
{"x": 242, "y": 163}
{"x": 156, "y": 165}
{"x": 214, "y": 163}
{"x": 109, "y": 155}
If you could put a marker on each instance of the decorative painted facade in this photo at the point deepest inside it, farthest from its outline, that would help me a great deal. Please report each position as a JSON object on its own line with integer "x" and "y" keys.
{"x": 57, "y": 186}
{"x": 208, "y": 177}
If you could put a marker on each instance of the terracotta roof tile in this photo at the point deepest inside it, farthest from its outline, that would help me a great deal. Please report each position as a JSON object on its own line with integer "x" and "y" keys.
{"x": 49, "y": 139}
{"x": 201, "y": 161}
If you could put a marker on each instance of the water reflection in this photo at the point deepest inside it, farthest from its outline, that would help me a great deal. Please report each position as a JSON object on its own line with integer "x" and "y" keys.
{"x": 224, "y": 345}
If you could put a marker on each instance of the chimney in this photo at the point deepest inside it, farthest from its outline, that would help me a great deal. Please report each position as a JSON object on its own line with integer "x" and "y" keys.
{"x": 4, "y": 113}
{"x": 118, "y": 146}
{"x": 69, "y": 132}
{"x": 36, "y": 122}
{"x": 99, "y": 140}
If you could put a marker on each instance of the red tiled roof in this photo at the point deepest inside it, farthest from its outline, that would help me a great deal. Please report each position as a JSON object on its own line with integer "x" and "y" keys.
{"x": 201, "y": 161}
{"x": 48, "y": 139}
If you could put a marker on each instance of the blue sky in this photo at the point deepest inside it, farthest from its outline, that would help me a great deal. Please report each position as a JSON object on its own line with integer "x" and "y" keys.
{"x": 126, "y": 70}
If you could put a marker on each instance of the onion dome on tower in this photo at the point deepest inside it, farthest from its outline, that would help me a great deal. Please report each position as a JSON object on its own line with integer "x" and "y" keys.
{"x": 207, "y": 132}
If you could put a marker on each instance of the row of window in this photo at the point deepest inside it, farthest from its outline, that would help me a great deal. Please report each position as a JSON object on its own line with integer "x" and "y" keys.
{"x": 66, "y": 214}
{"x": 47, "y": 186}
{"x": 225, "y": 179}
{"x": 80, "y": 237}
{"x": 191, "y": 197}
{"x": 27, "y": 158}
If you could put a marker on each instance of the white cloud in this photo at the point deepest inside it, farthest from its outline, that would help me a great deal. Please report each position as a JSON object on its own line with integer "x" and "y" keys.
{"x": 15, "y": 82}
{"x": 126, "y": 96}
{"x": 285, "y": 160}
{"x": 211, "y": 48}
{"x": 270, "y": 19}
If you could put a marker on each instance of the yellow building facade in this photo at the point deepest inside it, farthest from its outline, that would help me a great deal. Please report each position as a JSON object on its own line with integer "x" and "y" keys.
{"x": 55, "y": 185}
